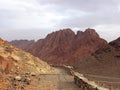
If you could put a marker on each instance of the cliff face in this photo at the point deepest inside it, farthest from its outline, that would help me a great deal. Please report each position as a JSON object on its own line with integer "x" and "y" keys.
{"x": 105, "y": 61}
{"x": 66, "y": 47}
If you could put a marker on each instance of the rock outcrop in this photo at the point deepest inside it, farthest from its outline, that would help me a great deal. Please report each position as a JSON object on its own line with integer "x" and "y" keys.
{"x": 66, "y": 47}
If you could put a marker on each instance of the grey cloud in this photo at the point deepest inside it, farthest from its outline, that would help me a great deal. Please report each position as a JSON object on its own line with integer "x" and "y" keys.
{"x": 100, "y": 18}
{"x": 48, "y": 15}
{"x": 85, "y": 5}
{"x": 96, "y": 12}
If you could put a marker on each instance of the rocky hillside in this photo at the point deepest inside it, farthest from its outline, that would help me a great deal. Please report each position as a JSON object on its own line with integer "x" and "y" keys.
{"x": 66, "y": 47}
{"x": 105, "y": 61}
{"x": 16, "y": 64}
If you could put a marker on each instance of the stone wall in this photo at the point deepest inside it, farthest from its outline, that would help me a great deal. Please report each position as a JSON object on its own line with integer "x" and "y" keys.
{"x": 83, "y": 85}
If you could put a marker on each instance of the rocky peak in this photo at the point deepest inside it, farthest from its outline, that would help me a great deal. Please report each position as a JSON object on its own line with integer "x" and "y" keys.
{"x": 87, "y": 33}
{"x": 91, "y": 32}
{"x": 61, "y": 37}
{"x": 61, "y": 34}
{"x": 89, "y": 36}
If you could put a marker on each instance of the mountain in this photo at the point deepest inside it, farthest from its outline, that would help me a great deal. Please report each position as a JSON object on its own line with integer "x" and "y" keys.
{"x": 66, "y": 47}
{"x": 22, "y": 44}
{"x": 15, "y": 63}
{"x": 105, "y": 61}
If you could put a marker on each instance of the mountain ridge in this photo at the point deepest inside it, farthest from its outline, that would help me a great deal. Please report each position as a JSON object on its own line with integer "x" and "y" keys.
{"x": 65, "y": 47}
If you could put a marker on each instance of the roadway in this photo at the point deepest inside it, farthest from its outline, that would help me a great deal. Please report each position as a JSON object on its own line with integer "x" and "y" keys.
{"x": 58, "y": 81}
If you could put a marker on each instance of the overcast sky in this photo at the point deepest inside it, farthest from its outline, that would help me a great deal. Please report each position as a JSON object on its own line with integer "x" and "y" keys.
{"x": 34, "y": 19}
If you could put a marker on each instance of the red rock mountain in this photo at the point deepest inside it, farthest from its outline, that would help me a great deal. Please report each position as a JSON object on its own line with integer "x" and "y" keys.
{"x": 66, "y": 47}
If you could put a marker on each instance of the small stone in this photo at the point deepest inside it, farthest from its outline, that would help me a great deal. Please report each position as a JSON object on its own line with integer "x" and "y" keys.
{"x": 33, "y": 74}
{"x": 23, "y": 80}
{"x": 28, "y": 80}
{"x": 27, "y": 73}
{"x": 18, "y": 78}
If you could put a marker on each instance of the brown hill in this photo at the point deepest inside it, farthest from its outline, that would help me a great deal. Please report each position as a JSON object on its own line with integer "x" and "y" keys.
{"x": 16, "y": 63}
{"x": 66, "y": 47}
{"x": 105, "y": 61}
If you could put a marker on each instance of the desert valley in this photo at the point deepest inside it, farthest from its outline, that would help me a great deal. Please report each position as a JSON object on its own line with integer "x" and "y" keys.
{"x": 59, "y": 44}
{"x": 60, "y": 55}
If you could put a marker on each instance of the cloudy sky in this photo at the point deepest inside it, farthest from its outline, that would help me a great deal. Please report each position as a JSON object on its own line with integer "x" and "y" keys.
{"x": 34, "y": 19}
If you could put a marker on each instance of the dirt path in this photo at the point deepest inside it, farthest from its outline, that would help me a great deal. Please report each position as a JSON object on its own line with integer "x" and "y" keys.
{"x": 59, "y": 81}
